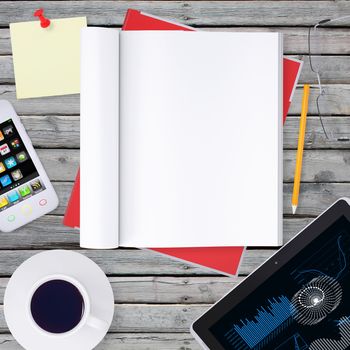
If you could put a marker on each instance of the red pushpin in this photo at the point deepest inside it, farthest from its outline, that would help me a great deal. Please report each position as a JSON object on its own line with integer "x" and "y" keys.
{"x": 44, "y": 22}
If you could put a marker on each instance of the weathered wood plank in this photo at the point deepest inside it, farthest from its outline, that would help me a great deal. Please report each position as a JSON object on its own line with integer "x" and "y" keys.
{"x": 60, "y": 164}
{"x": 118, "y": 263}
{"x": 48, "y": 232}
{"x": 334, "y": 102}
{"x": 337, "y": 128}
{"x": 5, "y": 42}
{"x": 63, "y": 132}
{"x": 53, "y": 131}
{"x": 114, "y": 262}
{"x": 133, "y": 262}
{"x": 318, "y": 166}
{"x": 6, "y": 69}
{"x": 173, "y": 341}
{"x": 145, "y": 318}
{"x": 314, "y": 197}
{"x": 8, "y": 342}
{"x": 56, "y": 105}
{"x": 292, "y": 226}
{"x": 155, "y": 318}
{"x": 63, "y": 190}
{"x": 164, "y": 290}
{"x": 334, "y": 41}
{"x": 207, "y": 13}
{"x": 128, "y": 341}
{"x": 337, "y": 102}
{"x": 335, "y": 69}
{"x": 254, "y": 258}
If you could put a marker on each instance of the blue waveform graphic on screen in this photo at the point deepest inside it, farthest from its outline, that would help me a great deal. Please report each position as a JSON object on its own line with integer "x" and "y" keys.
{"x": 267, "y": 321}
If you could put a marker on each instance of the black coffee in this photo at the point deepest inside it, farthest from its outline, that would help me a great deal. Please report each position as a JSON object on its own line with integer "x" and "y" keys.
{"x": 57, "y": 306}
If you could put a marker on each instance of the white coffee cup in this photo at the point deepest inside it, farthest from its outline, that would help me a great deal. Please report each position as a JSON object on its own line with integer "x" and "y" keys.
{"x": 87, "y": 318}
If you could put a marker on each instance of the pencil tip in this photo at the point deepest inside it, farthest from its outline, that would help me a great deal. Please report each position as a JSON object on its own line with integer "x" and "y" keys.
{"x": 294, "y": 208}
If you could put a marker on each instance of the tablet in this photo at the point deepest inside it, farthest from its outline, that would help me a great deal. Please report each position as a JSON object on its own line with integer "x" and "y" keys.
{"x": 296, "y": 300}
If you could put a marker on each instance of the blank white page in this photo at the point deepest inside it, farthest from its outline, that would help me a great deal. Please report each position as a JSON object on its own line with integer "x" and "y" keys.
{"x": 200, "y": 139}
{"x": 99, "y": 110}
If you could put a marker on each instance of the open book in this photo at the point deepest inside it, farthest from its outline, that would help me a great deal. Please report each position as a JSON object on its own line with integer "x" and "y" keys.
{"x": 183, "y": 147}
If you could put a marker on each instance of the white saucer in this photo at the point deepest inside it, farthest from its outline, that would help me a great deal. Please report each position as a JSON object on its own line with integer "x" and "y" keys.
{"x": 59, "y": 262}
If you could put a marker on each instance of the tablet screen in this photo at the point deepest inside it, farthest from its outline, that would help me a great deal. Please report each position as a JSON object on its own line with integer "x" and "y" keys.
{"x": 304, "y": 305}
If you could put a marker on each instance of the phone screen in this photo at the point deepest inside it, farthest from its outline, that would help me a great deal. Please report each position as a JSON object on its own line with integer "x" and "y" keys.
{"x": 19, "y": 178}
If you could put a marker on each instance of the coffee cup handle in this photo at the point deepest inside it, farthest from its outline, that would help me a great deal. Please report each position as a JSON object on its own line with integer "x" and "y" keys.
{"x": 96, "y": 323}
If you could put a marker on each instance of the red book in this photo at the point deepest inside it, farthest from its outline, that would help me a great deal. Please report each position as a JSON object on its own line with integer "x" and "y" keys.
{"x": 72, "y": 215}
{"x": 221, "y": 259}
{"x": 291, "y": 72}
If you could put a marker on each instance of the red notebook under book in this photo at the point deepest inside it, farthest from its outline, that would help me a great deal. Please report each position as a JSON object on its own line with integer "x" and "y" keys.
{"x": 221, "y": 259}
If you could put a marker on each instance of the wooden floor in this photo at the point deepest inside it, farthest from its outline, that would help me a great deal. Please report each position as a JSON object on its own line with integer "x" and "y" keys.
{"x": 156, "y": 298}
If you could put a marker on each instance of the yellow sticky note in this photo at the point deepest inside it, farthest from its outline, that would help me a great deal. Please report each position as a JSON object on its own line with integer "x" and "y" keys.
{"x": 47, "y": 60}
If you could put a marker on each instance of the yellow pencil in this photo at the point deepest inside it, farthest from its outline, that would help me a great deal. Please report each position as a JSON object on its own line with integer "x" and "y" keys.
{"x": 299, "y": 160}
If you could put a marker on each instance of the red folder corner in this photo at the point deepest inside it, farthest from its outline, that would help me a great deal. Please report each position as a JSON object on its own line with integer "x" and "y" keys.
{"x": 72, "y": 215}
{"x": 224, "y": 260}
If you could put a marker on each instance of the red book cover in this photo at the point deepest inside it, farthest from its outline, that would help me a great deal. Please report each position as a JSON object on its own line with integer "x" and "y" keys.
{"x": 222, "y": 259}
{"x": 72, "y": 215}
{"x": 291, "y": 72}
{"x": 137, "y": 20}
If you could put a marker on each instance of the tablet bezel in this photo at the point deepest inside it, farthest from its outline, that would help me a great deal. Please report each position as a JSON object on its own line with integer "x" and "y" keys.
{"x": 200, "y": 328}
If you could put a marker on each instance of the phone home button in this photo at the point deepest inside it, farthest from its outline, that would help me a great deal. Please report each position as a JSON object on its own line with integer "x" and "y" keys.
{"x": 26, "y": 210}
{"x": 42, "y": 202}
{"x": 11, "y": 218}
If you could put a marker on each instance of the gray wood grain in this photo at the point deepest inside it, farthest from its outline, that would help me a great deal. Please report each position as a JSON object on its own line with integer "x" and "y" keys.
{"x": 128, "y": 341}
{"x": 337, "y": 102}
{"x": 147, "y": 318}
{"x": 114, "y": 262}
{"x": 199, "y": 13}
{"x": 334, "y": 101}
{"x": 63, "y": 190}
{"x": 63, "y": 132}
{"x": 335, "y": 69}
{"x": 60, "y": 164}
{"x": 164, "y": 290}
{"x": 48, "y": 232}
{"x": 314, "y": 197}
{"x": 335, "y": 41}
{"x": 337, "y": 128}
{"x": 134, "y": 262}
{"x": 319, "y": 165}
{"x": 5, "y": 42}
{"x": 53, "y": 131}
{"x": 56, "y": 105}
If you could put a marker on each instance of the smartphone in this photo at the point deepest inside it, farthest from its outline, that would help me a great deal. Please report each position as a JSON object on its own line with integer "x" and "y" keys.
{"x": 26, "y": 192}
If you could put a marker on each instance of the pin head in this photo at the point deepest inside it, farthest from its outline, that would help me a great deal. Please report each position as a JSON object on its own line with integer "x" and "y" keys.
{"x": 44, "y": 22}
